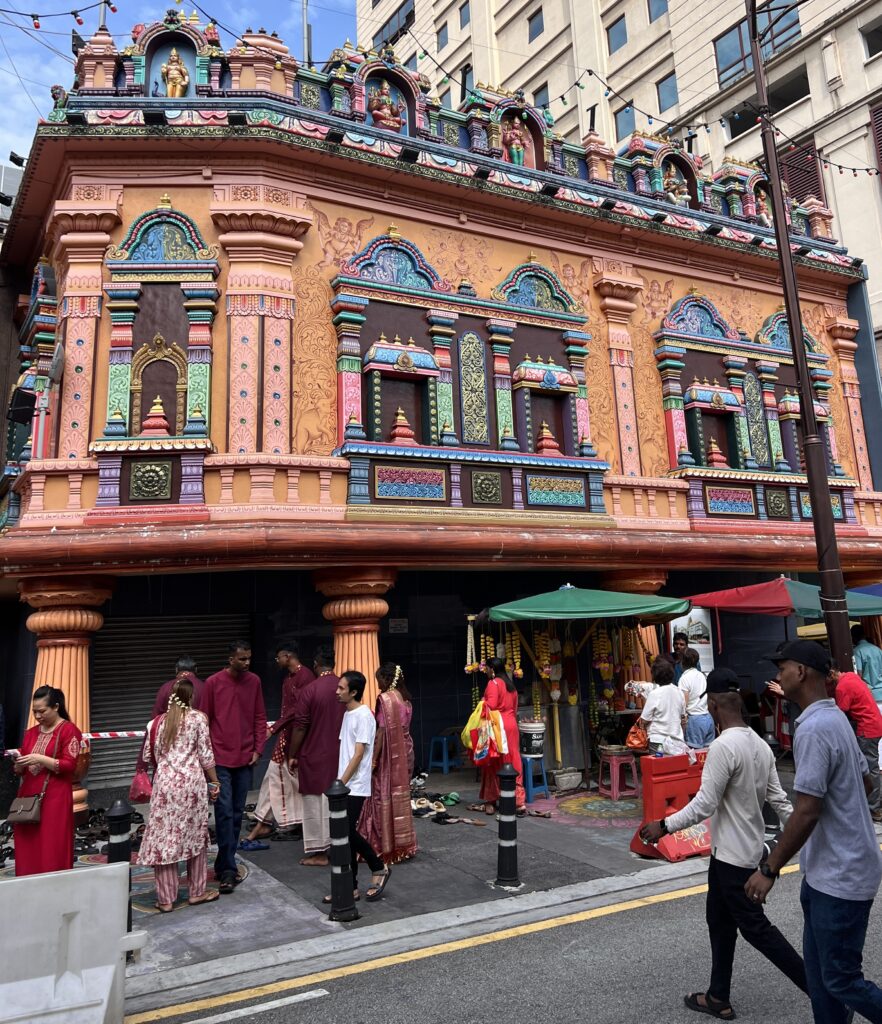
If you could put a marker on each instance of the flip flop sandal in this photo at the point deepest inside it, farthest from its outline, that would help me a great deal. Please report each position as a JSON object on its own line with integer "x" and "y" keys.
{"x": 450, "y": 800}
{"x": 356, "y": 895}
{"x": 477, "y": 807}
{"x": 251, "y": 845}
{"x": 443, "y": 818}
{"x": 472, "y": 821}
{"x": 210, "y": 896}
{"x": 712, "y": 1007}
{"x": 539, "y": 814}
{"x": 166, "y": 908}
{"x": 439, "y": 807}
{"x": 376, "y": 891}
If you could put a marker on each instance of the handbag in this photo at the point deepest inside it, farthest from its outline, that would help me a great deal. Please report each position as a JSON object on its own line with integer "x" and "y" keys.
{"x": 637, "y": 738}
{"x": 26, "y": 810}
{"x": 471, "y": 725}
{"x": 141, "y": 788}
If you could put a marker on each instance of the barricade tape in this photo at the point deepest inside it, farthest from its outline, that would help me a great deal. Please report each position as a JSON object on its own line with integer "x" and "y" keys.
{"x": 119, "y": 734}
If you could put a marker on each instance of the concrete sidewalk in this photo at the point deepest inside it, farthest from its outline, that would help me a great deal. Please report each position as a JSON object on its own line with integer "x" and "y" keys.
{"x": 279, "y": 902}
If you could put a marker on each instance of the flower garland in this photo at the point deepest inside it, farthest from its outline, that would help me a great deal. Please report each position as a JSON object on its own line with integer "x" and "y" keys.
{"x": 513, "y": 654}
{"x": 472, "y": 664}
{"x": 601, "y": 648}
{"x": 542, "y": 647}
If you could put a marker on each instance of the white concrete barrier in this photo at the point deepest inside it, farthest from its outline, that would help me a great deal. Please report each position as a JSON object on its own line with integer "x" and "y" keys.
{"x": 64, "y": 946}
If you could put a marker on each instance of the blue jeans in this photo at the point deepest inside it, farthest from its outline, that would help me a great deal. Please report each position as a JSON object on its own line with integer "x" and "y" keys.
{"x": 228, "y": 811}
{"x": 833, "y": 946}
{"x": 700, "y": 730}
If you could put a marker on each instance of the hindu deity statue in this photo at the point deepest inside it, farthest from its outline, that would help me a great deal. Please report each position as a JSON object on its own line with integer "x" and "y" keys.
{"x": 386, "y": 113}
{"x": 675, "y": 188}
{"x": 175, "y": 76}
{"x": 763, "y": 213}
{"x": 514, "y": 142}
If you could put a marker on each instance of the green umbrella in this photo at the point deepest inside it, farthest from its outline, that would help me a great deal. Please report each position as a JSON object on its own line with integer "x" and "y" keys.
{"x": 571, "y": 602}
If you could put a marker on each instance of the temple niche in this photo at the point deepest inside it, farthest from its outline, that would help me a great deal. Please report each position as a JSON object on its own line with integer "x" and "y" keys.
{"x": 460, "y": 401}
{"x": 732, "y": 415}
{"x": 170, "y": 59}
{"x": 521, "y": 134}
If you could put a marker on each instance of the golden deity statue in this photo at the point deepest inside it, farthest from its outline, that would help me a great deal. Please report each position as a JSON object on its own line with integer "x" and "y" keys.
{"x": 175, "y": 76}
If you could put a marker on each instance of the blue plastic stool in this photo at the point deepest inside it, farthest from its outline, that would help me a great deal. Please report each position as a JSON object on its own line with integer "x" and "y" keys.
{"x": 442, "y": 753}
{"x": 531, "y": 788}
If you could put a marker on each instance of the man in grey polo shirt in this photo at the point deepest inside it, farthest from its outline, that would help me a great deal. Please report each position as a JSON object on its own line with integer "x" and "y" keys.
{"x": 841, "y": 862}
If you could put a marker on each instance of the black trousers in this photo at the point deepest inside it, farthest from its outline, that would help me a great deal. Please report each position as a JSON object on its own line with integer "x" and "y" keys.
{"x": 728, "y": 912}
{"x": 357, "y": 842}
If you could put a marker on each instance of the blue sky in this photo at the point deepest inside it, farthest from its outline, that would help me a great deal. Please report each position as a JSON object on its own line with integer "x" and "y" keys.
{"x": 43, "y": 58}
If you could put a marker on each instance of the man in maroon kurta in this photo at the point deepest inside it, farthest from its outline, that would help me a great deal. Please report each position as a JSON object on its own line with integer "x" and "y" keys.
{"x": 313, "y": 749}
{"x": 185, "y": 668}
{"x": 278, "y": 803}
{"x": 233, "y": 701}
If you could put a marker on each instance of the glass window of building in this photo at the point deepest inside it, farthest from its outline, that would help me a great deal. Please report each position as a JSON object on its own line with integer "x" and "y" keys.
{"x": 441, "y": 36}
{"x": 617, "y": 35}
{"x": 667, "y": 92}
{"x": 396, "y": 26}
{"x": 732, "y": 48}
{"x": 540, "y": 96}
{"x": 535, "y": 25}
{"x": 657, "y": 8}
{"x": 872, "y": 39}
{"x": 445, "y": 99}
{"x": 411, "y": 62}
{"x": 625, "y": 121}
{"x": 465, "y": 15}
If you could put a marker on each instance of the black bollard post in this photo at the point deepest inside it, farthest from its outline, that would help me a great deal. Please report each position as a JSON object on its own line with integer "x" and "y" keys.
{"x": 507, "y": 855}
{"x": 119, "y": 850}
{"x": 342, "y": 903}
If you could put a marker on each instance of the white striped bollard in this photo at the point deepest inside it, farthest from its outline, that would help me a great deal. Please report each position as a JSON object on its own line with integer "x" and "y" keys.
{"x": 119, "y": 849}
{"x": 507, "y": 851}
{"x": 342, "y": 901}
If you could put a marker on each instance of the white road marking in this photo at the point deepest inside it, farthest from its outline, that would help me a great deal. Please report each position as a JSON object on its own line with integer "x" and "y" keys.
{"x": 247, "y": 1011}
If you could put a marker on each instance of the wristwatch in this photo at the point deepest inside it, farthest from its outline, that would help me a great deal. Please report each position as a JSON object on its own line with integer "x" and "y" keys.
{"x": 663, "y": 825}
{"x": 767, "y": 872}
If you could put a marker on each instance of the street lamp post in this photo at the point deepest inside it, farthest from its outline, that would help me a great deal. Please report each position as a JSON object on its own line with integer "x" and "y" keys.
{"x": 833, "y": 602}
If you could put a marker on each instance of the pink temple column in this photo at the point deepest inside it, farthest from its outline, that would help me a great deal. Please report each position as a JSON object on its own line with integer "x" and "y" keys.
{"x": 669, "y": 358}
{"x": 618, "y": 286}
{"x": 348, "y": 313}
{"x": 843, "y": 331}
{"x": 260, "y": 228}
{"x": 80, "y": 237}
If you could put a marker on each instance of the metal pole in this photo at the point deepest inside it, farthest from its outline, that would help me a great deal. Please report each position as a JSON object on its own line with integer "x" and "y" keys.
{"x": 119, "y": 849}
{"x": 304, "y": 8}
{"x": 342, "y": 901}
{"x": 102, "y": 16}
{"x": 507, "y": 851}
{"x": 833, "y": 603}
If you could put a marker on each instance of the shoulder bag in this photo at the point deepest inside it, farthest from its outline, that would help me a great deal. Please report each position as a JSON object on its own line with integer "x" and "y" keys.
{"x": 25, "y": 810}
{"x": 141, "y": 788}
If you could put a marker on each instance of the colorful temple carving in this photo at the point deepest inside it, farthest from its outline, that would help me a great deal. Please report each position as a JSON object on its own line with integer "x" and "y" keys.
{"x": 312, "y": 319}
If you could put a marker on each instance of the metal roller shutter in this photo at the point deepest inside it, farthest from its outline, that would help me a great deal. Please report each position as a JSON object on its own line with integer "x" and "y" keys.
{"x": 131, "y": 659}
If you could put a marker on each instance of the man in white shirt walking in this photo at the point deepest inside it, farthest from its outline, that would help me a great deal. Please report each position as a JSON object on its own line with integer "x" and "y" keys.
{"x": 357, "y": 735}
{"x": 738, "y": 777}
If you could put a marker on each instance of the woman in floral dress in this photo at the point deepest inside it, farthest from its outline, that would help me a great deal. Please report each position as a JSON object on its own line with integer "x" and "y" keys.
{"x": 178, "y": 745}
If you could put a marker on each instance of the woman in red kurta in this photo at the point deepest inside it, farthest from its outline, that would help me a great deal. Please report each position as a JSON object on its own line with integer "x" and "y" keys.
{"x": 52, "y": 746}
{"x": 501, "y": 695}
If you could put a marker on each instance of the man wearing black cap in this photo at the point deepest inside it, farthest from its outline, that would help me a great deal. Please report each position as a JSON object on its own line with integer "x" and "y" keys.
{"x": 841, "y": 862}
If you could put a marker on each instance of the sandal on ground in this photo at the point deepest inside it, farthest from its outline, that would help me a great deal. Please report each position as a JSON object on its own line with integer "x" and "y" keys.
{"x": 477, "y": 807}
{"x": 471, "y": 821}
{"x": 356, "y": 895}
{"x": 312, "y": 861}
{"x": 712, "y": 1007}
{"x": 376, "y": 889}
{"x": 521, "y": 812}
{"x": 164, "y": 908}
{"x": 250, "y": 845}
{"x": 227, "y": 885}
{"x": 209, "y": 896}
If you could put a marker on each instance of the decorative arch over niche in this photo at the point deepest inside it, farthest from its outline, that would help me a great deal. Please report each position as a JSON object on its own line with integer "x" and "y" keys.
{"x": 162, "y": 235}
{"x": 514, "y": 114}
{"x": 698, "y": 317}
{"x": 394, "y": 261}
{"x": 159, "y": 351}
{"x": 776, "y": 333}
{"x": 533, "y": 286}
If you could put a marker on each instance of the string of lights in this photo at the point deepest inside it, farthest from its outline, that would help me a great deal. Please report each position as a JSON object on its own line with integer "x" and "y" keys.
{"x": 36, "y": 19}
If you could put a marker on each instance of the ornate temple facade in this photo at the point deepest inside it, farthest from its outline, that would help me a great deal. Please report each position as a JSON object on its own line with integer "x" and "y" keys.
{"x": 292, "y": 330}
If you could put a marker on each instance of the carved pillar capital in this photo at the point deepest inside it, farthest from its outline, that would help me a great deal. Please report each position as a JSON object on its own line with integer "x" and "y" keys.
{"x": 355, "y": 610}
{"x": 618, "y": 286}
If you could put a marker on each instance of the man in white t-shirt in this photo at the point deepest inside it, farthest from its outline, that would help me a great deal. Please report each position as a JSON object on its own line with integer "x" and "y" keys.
{"x": 357, "y": 734}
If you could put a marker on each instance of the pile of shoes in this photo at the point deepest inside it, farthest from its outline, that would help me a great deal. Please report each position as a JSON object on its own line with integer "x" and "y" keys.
{"x": 6, "y": 851}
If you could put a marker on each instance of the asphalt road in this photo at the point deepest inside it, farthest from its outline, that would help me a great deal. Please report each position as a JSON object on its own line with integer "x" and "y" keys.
{"x": 631, "y": 967}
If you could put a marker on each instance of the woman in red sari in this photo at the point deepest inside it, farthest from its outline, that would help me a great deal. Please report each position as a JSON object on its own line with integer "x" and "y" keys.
{"x": 500, "y": 695}
{"x": 386, "y": 819}
{"x": 51, "y": 746}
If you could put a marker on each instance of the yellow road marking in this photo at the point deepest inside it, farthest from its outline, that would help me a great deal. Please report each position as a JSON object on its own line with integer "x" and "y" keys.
{"x": 417, "y": 954}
